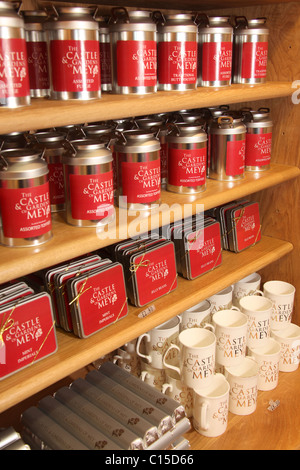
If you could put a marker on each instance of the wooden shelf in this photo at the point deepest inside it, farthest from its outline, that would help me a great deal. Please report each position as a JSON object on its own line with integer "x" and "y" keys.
{"x": 44, "y": 113}
{"x": 69, "y": 242}
{"x": 74, "y": 353}
{"x": 264, "y": 429}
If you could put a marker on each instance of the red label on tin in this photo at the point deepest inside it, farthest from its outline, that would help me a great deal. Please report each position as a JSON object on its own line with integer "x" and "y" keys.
{"x": 14, "y": 79}
{"x": 177, "y": 62}
{"x": 254, "y": 59}
{"x": 216, "y": 61}
{"x": 204, "y": 250}
{"x": 29, "y": 334}
{"x": 187, "y": 167}
{"x": 38, "y": 65}
{"x": 92, "y": 196}
{"x": 56, "y": 183}
{"x": 235, "y": 158}
{"x": 141, "y": 181}
{"x": 105, "y": 63}
{"x": 75, "y": 65}
{"x": 258, "y": 149}
{"x": 25, "y": 212}
{"x": 136, "y": 63}
{"x": 155, "y": 273}
{"x": 248, "y": 228}
{"x": 103, "y": 300}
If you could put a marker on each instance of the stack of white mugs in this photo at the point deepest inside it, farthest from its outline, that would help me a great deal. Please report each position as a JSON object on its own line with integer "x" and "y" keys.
{"x": 214, "y": 357}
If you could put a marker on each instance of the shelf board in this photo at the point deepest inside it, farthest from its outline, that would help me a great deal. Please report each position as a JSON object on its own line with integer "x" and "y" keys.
{"x": 69, "y": 242}
{"x": 74, "y": 353}
{"x": 264, "y": 429}
{"x": 44, "y": 113}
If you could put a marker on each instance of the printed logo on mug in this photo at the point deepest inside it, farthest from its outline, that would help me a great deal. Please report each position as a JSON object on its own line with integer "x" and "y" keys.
{"x": 258, "y": 310}
{"x": 222, "y": 300}
{"x": 282, "y": 295}
{"x": 249, "y": 285}
{"x": 289, "y": 340}
{"x": 196, "y": 316}
{"x": 267, "y": 357}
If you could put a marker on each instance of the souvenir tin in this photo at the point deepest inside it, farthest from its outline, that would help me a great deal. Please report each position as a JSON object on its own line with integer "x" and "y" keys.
{"x": 133, "y": 52}
{"x": 258, "y": 139}
{"x": 138, "y": 163}
{"x": 250, "y": 50}
{"x": 105, "y": 54}
{"x": 187, "y": 156}
{"x": 177, "y": 51}
{"x": 24, "y": 198}
{"x": 74, "y": 54}
{"x": 243, "y": 226}
{"x": 27, "y": 333}
{"x": 37, "y": 54}
{"x": 15, "y": 292}
{"x": 88, "y": 176}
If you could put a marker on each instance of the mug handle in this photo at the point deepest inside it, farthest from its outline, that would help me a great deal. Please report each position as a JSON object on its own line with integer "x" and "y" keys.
{"x": 144, "y": 335}
{"x": 235, "y": 308}
{"x": 208, "y": 326}
{"x": 143, "y": 375}
{"x": 166, "y": 387}
{"x": 116, "y": 359}
{"x": 169, "y": 366}
{"x": 203, "y": 416}
{"x": 258, "y": 292}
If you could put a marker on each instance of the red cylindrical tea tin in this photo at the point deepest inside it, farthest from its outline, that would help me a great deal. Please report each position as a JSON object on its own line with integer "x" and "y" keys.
{"x": 138, "y": 162}
{"x": 53, "y": 145}
{"x": 133, "y": 52}
{"x": 15, "y": 89}
{"x": 215, "y": 36}
{"x": 177, "y": 52}
{"x": 105, "y": 54}
{"x": 24, "y": 198}
{"x": 258, "y": 140}
{"x": 37, "y": 54}
{"x": 74, "y": 54}
{"x": 88, "y": 178}
{"x": 250, "y": 50}
{"x": 187, "y": 156}
{"x": 227, "y": 148}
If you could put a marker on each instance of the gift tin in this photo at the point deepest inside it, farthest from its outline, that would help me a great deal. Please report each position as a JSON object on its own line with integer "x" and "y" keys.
{"x": 24, "y": 198}
{"x": 250, "y": 50}
{"x": 88, "y": 176}
{"x": 258, "y": 139}
{"x": 187, "y": 157}
{"x": 243, "y": 226}
{"x": 138, "y": 163}
{"x": 133, "y": 52}
{"x": 17, "y": 291}
{"x": 27, "y": 332}
{"x": 105, "y": 54}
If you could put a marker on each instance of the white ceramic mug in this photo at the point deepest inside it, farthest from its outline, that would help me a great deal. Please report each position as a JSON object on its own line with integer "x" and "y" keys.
{"x": 196, "y": 316}
{"x": 231, "y": 333}
{"x": 221, "y": 300}
{"x": 249, "y": 285}
{"x": 157, "y": 341}
{"x": 258, "y": 310}
{"x": 210, "y": 407}
{"x": 243, "y": 381}
{"x": 289, "y": 340}
{"x": 282, "y": 294}
{"x": 174, "y": 388}
{"x": 154, "y": 377}
{"x": 267, "y": 357}
{"x": 197, "y": 352}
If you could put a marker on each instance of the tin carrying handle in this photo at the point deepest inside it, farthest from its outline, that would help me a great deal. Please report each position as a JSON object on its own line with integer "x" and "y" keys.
{"x": 225, "y": 120}
{"x": 158, "y": 17}
{"x": 240, "y": 22}
{"x": 119, "y": 13}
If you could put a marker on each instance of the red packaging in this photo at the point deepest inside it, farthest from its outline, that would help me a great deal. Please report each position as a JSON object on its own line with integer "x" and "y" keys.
{"x": 254, "y": 60}
{"x": 243, "y": 226}
{"x": 216, "y": 61}
{"x": 177, "y": 62}
{"x": 27, "y": 333}
{"x": 235, "y": 162}
{"x": 13, "y": 68}
{"x": 136, "y": 63}
{"x": 258, "y": 149}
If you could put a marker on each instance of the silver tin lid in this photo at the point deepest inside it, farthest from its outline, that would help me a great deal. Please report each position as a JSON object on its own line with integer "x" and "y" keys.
{"x": 176, "y": 23}
{"x": 10, "y": 16}
{"x": 22, "y": 164}
{"x": 259, "y": 118}
{"x": 123, "y": 20}
{"x": 214, "y": 24}
{"x": 252, "y": 26}
{"x": 137, "y": 141}
{"x": 34, "y": 19}
{"x": 186, "y": 133}
{"x": 86, "y": 152}
{"x": 72, "y": 18}
{"x": 226, "y": 125}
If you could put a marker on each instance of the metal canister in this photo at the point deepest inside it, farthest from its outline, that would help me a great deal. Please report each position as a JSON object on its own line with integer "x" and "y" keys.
{"x": 15, "y": 88}
{"x": 14, "y": 140}
{"x": 24, "y": 198}
{"x": 250, "y": 50}
{"x": 138, "y": 160}
{"x": 227, "y": 148}
{"x": 53, "y": 146}
{"x": 258, "y": 139}
{"x": 160, "y": 127}
{"x": 88, "y": 179}
{"x": 187, "y": 156}
{"x": 71, "y": 131}
{"x": 215, "y": 36}
{"x": 177, "y": 51}
{"x": 37, "y": 54}
{"x": 133, "y": 52}
{"x": 74, "y": 54}
{"x": 105, "y": 54}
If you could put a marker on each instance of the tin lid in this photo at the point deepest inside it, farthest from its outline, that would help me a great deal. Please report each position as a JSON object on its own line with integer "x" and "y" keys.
{"x": 22, "y": 164}
{"x": 10, "y": 16}
{"x": 34, "y": 19}
{"x": 49, "y": 137}
{"x": 98, "y": 130}
{"x": 14, "y": 140}
{"x": 225, "y": 125}
{"x": 68, "y": 17}
{"x": 149, "y": 124}
{"x": 86, "y": 152}
{"x": 124, "y": 20}
{"x": 259, "y": 118}
{"x": 175, "y": 23}
{"x": 214, "y": 24}
{"x": 186, "y": 132}
{"x": 252, "y": 26}
{"x": 137, "y": 141}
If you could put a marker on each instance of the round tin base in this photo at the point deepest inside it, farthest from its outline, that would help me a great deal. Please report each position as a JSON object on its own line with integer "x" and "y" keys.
{"x": 134, "y": 206}
{"x": 257, "y": 168}
{"x": 72, "y": 95}
{"x": 25, "y": 242}
{"x": 249, "y": 81}
{"x": 90, "y": 223}
{"x": 186, "y": 189}
{"x": 217, "y": 177}
{"x": 177, "y": 87}
{"x": 13, "y": 102}
{"x": 130, "y": 90}
{"x": 214, "y": 84}
{"x": 39, "y": 93}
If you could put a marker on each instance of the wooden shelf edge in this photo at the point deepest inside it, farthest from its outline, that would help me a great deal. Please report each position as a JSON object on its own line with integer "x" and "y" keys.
{"x": 44, "y": 113}
{"x": 74, "y": 353}
{"x": 69, "y": 242}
